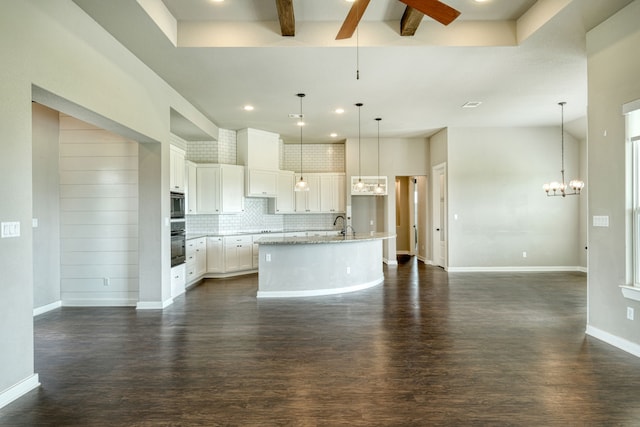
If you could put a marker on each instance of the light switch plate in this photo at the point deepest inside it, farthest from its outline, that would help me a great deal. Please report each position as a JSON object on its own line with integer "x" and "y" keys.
{"x": 10, "y": 229}
{"x": 600, "y": 221}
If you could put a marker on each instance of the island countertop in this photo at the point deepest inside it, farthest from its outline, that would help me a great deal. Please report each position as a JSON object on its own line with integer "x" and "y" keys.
{"x": 303, "y": 240}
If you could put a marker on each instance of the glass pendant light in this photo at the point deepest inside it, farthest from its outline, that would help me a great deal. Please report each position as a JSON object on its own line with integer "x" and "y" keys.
{"x": 378, "y": 191}
{"x": 301, "y": 185}
{"x": 359, "y": 186}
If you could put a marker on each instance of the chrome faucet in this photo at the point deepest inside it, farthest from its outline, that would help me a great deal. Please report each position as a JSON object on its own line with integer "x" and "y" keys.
{"x": 346, "y": 228}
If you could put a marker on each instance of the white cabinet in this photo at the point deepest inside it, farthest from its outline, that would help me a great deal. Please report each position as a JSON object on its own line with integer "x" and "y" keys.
{"x": 231, "y": 188}
{"x": 261, "y": 183}
{"x": 219, "y": 189}
{"x": 332, "y": 192}
{"x": 284, "y": 202}
{"x": 308, "y": 201}
{"x": 215, "y": 255}
{"x": 238, "y": 253}
{"x": 176, "y": 174}
{"x": 190, "y": 187}
{"x": 258, "y": 149}
{"x": 207, "y": 189}
{"x": 177, "y": 280}
{"x": 196, "y": 262}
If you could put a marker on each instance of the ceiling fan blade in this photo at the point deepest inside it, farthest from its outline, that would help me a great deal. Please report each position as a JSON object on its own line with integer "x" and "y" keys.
{"x": 353, "y": 18}
{"x": 439, "y": 11}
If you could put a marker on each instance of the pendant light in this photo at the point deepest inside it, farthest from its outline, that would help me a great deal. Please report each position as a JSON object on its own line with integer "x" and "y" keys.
{"x": 359, "y": 185}
{"x": 560, "y": 188}
{"x": 301, "y": 185}
{"x": 378, "y": 191}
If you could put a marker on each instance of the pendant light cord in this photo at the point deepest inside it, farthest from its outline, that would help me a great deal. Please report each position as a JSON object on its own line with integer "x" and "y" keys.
{"x": 358, "y": 41}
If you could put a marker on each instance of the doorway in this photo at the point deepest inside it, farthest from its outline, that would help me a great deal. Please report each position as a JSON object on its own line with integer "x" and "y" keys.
{"x": 439, "y": 214}
{"x": 411, "y": 216}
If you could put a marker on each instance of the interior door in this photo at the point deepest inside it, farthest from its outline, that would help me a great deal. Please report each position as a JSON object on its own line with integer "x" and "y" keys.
{"x": 439, "y": 204}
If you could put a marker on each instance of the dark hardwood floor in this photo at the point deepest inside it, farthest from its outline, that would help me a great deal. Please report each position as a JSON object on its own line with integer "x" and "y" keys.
{"x": 426, "y": 348}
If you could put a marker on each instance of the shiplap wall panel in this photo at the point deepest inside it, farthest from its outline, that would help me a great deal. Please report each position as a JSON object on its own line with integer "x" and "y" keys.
{"x": 98, "y": 215}
{"x": 117, "y": 258}
{"x": 89, "y": 204}
{"x": 112, "y": 149}
{"x": 100, "y": 218}
{"x": 76, "y": 231}
{"x": 99, "y": 244}
{"x": 98, "y": 190}
{"x": 115, "y": 163}
{"x": 95, "y": 271}
{"x": 97, "y": 285}
{"x": 99, "y": 177}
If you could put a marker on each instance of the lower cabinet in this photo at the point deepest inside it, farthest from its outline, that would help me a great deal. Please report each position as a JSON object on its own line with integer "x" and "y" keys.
{"x": 178, "y": 274}
{"x": 215, "y": 255}
{"x": 238, "y": 253}
{"x": 196, "y": 262}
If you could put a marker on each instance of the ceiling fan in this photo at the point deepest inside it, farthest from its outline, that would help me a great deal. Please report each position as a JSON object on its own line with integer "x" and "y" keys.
{"x": 437, "y": 10}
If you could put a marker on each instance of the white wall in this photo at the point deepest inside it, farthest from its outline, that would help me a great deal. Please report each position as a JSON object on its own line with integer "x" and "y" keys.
{"x": 54, "y": 53}
{"x": 613, "y": 64}
{"x": 99, "y": 216}
{"x": 495, "y": 178}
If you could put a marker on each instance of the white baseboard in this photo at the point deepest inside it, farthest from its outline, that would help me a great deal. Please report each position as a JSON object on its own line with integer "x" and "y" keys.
{"x": 98, "y": 302}
{"x": 318, "y": 292}
{"x": 621, "y": 343}
{"x": 46, "y": 308}
{"x": 392, "y": 262}
{"x": 514, "y": 269}
{"x": 154, "y": 305}
{"x": 18, "y": 390}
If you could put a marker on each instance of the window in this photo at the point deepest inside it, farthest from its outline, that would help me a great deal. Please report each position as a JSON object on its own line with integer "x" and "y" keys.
{"x": 632, "y": 114}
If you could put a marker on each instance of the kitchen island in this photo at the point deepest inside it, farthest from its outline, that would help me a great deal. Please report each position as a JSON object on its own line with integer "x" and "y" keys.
{"x": 319, "y": 265}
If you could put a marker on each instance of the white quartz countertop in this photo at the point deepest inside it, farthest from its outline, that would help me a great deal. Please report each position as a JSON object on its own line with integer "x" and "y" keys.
{"x": 349, "y": 237}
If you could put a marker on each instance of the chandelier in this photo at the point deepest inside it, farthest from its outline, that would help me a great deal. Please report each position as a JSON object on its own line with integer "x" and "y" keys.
{"x": 556, "y": 188}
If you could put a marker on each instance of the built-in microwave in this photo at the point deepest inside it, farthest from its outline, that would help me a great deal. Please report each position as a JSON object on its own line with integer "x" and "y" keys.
{"x": 177, "y": 205}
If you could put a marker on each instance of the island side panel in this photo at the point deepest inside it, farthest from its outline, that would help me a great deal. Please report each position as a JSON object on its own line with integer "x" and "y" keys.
{"x": 319, "y": 268}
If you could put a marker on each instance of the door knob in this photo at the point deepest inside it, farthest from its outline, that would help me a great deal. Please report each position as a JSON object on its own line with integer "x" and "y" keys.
{"x": 437, "y": 229}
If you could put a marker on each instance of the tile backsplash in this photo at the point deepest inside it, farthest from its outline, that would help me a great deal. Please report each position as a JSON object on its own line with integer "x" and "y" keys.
{"x": 256, "y": 217}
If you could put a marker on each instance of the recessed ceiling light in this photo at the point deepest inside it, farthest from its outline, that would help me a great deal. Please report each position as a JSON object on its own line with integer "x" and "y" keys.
{"x": 248, "y": 108}
{"x": 339, "y": 110}
{"x": 300, "y": 123}
{"x": 471, "y": 104}
{"x": 333, "y": 135}
{"x": 481, "y": 1}
{"x": 217, "y": 1}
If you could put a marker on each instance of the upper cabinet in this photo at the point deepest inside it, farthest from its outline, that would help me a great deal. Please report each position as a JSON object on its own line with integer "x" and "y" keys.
{"x": 258, "y": 151}
{"x": 190, "y": 187}
{"x": 177, "y": 169}
{"x": 284, "y": 202}
{"x": 327, "y": 193}
{"x": 332, "y": 193}
{"x": 219, "y": 189}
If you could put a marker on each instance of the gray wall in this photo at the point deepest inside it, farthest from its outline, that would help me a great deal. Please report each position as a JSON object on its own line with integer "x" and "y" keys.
{"x": 54, "y": 53}
{"x": 46, "y": 207}
{"x": 399, "y": 157}
{"x": 495, "y": 178}
{"x": 613, "y": 64}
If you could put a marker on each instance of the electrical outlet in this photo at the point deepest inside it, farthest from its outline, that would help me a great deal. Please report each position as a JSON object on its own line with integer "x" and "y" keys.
{"x": 267, "y": 257}
{"x": 524, "y": 254}
{"x": 630, "y": 313}
{"x": 348, "y": 270}
{"x": 106, "y": 281}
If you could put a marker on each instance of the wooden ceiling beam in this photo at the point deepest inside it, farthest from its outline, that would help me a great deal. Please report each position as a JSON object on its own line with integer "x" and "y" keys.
{"x": 411, "y": 19}
{"x": 286, "y": 17}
